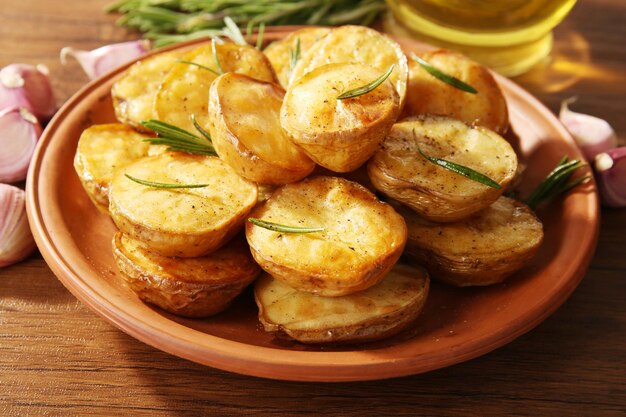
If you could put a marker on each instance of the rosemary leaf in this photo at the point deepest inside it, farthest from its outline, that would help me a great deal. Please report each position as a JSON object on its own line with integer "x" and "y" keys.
{"x": 367, "y": 87}
{"x": 461, "y": 170}
{"x": 294, "y": 55}
{"x": 163, "y": 184}
{"x": 232, "y": 31}
{"x": 260, "y": 35}
{"x": 442, "y": 76}
{"x": 179, "y": 139}
{"x": 199, "y": 128}
{"x": 283, "y": 228}
{"x": 557, "y": 182}
{"x": 216, "y": 57}
{"x": 182, "y": 61}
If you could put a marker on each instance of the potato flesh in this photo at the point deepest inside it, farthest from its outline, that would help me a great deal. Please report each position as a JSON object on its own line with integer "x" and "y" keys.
{"x": 133, "y": 94}
{"x": 362, "y": 239}
{"x": 429, "y": 95}
{"x": 162, "y": 218}
{"x": 101, "y": 150}
{"x": 480, "y": 250}
{"x": 185, "y": 89}
{"x": 192, "y": 287}
{"x": 279, "y": 52}
{"x": 400, "y": 172}
{"x": 357, "y": 44}
{"x": 339, "y": 134}
{"x": 246, "y": 131}
{"x": 379, "y": 311}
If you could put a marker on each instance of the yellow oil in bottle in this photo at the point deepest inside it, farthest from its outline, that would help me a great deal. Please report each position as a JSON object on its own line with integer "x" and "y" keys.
{"x": 508, "y": 35}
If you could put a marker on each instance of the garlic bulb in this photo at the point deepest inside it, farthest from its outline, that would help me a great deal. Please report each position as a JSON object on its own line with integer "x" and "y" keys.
{"x": 16, "y": 240}
{"x": 19, "y": 132}
{"x": 593, "y": 135}
{"x": 23, "y": 85}
{"x": 106, "y": 58}
{"x": 610, "y": 170}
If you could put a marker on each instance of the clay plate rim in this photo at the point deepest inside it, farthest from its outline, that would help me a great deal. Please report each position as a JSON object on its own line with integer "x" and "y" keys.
{"x": 282, "y": 364}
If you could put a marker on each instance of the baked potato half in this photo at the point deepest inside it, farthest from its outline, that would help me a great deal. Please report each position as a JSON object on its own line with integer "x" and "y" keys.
{"x": 357, "y": 44}
{"x": 362, "y": 237}
{"x": 280, "y": 52}
{"x": 438, "y": 194}
{"x": 339, "y": 134}
{"x": 101, "y": 150}
{"x": 429, "y": 95}
{"x": 185, "y": 89}
{"x": 375, "y": 313}
{"x": 189, "y": 287}
{"x": 244, "y": 116}
{"x": 182, "y": 222}
{"x": 133, "y": 94}
{"x": 483, "y": 249}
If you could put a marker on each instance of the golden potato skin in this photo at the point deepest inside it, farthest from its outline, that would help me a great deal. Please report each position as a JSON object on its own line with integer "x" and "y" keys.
{"x": 189, "y": 287}
{"x": 279, "y": 52}
{"x": 133, "y": 94}
{"x": 339, "y": 134}
{"x": 244, "y": 121}
{"x": 183, "y": 222}
{"x": 101, "y": 150}
{"x": 357, "y": 44}
{"x": 483, "y": 249}
{"x": 429, "y": 95}
{"x": 375, "y": 313}
{"x": 440, "y": 195}
{"x": 184, "y": 91}
{"x": 362, "y": 240}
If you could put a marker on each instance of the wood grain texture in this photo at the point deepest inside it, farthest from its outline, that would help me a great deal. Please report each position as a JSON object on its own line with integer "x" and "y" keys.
{"x": 57, "y": 358}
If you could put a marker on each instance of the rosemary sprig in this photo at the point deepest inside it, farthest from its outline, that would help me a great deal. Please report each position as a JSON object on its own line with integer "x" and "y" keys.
{"x": 461, "y": 170}
{"x": 233, "y": 32}
{"x": 294, "y": 55}
{"x": 367, "y": 87}
{"x": 557, "y": 182}
{"x": 200, "y": 129}
{"x": 216, "y": 57}
{"x": 163, "y": 184}
{"x": 259, "y": 36}
{"x": 178, "y": 139}
{"x": 183, "y": 61}
{"x": 442, "y": 76}
{"x": 283, "y": 228}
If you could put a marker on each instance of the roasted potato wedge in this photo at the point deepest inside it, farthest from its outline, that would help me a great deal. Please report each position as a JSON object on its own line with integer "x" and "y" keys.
{"x": 483, "y": 249}
{"x": 189, "y": 287}
{"x": 183, "y": 222}
{"x": 185, "y": 89}
{"x": 339, "y": 134}
{"x": 440, "y": 195}
{"x": 357, "y": 44}
{"x": 245, "y": 127}
{"x": 362, "y": 238}
{"x": 280, "y": 52}
{"x": 101, "y": 150}
{"x": 375, "y": 313}
{"x": 133, "y": 94}
{"x": 429, "y": 95}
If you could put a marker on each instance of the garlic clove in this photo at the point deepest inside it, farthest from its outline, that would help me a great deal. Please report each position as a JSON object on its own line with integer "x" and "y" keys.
{"x": 23, "y": 85}
{"x": 19, "y": 132}
{"x": 106, "y": 58}
{"x": 16, "y": 240}
{"x": 592, "y": 134}
{"x": 610, "y": 167}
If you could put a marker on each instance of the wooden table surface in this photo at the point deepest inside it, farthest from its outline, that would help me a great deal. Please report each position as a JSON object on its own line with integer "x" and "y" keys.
{"x": 57, "y": 358}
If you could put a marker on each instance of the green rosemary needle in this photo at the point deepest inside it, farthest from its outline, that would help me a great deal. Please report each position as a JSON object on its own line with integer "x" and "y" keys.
{"x": 283, "y": 228}
{"x": 367, "y": 87}
{"x": 200, "y": 129}
{"x": 557, "y": 182}
{"x": 461, "y": 170}
{"x": 294, "y": 55}
{"x": 216, "y": 57}
{"x": 182, "y": 61}
{"x": 163, "y": 184}
{"x": 232, "y": 31}
{"x": 442, "y": 76}
{"x": 178, "y": 139}
{"x": 259, "y": 36}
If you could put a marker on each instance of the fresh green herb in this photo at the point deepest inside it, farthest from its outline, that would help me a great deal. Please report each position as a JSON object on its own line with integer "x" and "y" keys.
{"x": 283, "y": 228}
{"x": 294, "y": 55}
{"x": 216, "y": 57}
{"x": 233, "y": 32}
{"x": 557, "y": 182}
{"x": 259, "y": 36}
{"x": 200, "y": 129}
{"x": 182, "y": 61}
{"x": 178, "y": 139}
{"x": 367, "y": 87}
{"x": 461, "y": 170}
{"x": 442, "y": 76}
{"x": 163, "y": 184}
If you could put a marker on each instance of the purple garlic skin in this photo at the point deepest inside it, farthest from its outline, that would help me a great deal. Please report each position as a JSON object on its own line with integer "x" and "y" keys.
{"x": 16, "y": 240}
{"x": 19, "y": 133}
{"x": 593, "y": 135}
{"x": 610, "y": 168}
{"x": 106, "y": 58}
{"x": 24, "y": 85}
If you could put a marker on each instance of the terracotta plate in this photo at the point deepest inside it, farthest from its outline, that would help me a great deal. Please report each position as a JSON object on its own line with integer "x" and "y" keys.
{"x": 456, "y": 325}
